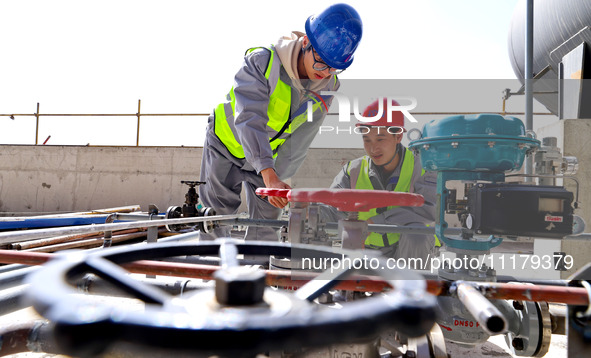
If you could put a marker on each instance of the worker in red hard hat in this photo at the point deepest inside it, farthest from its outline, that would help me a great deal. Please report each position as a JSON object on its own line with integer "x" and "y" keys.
{"x": 250, "y": 138}
{"x": 382, "y": 136}
{"x": 388, "y": 165}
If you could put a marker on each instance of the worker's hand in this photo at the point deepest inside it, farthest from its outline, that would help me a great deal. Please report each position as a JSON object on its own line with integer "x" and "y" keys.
{"x": 272, "y": 181}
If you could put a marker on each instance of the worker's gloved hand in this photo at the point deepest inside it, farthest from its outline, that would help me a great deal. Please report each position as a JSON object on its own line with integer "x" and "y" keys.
{"x": 272, "y": 181}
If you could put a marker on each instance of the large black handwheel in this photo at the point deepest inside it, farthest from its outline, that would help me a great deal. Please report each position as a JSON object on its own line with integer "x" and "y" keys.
{"x": 240, "y": 316}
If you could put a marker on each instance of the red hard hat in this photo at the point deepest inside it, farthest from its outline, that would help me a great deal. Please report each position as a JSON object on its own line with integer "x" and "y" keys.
{"x": 373, "y": 109}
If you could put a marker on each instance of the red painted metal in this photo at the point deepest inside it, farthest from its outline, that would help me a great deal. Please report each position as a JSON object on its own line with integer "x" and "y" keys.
{"x": 282, "y": 193}
{"x": 347, "y": 199}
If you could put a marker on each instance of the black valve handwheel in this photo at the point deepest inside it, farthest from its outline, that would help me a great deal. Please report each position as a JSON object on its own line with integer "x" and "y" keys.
{"x": 200, "y": 323}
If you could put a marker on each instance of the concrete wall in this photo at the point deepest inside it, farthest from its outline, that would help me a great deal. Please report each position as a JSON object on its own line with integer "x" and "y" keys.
{"x": 578, "y": 132}
{"x": 79, "y": 178}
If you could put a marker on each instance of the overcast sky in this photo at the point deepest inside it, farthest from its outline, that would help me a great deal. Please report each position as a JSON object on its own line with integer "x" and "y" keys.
{"x": 181, "y": 56}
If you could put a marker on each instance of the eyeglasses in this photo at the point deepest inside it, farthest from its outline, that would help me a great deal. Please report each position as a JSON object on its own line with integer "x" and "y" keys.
{"x": 320, "y": 65}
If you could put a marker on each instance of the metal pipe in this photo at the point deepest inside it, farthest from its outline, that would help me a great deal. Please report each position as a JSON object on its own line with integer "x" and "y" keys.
{"x": 380, "y": 228}
{"x": 18, "y": 236}
{"x": 570, "y": 295}
{"x": 526, "y": 292}
{"x": 137, "y": 138}
{"x": 32, "y": 336}
{"x": 193, "y": 235}
{"x": 136, "y": 217}
{"x": 215, "y": 261}
{"x": 11, "y": 268}
{"x": 96, "y": 285}
{"x": 49, "y": 241}
{"x": 274, "y": 277}
{"x": 255, "y": 222}
{"x": 25, "y": 245}
{"x": 15, "y": 278}
{"x": 94, "y": 242}
{"x": 11, "y": 300}
{"x": 489, "y": 317}
{"x": 410, "y": 229}
{"x": 37, "y": 125}
{"x": 529, "y": 60}
{"x": 433, "y": 275}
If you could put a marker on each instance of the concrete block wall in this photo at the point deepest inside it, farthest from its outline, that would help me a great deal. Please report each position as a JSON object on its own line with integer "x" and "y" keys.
{"x": 73, "y": 178}
{"x": 36, "y": 179}
{"x": 322, "y": 165}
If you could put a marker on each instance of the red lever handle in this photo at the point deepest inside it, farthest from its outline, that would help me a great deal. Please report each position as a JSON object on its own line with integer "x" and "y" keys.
{"x": 282, "y": 193}
{"x": 347, "y": 199}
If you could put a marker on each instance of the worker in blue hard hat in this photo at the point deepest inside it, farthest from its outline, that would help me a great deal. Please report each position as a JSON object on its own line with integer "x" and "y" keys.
{"x": 388, "y": 165}
{"x": 249, "y": 137}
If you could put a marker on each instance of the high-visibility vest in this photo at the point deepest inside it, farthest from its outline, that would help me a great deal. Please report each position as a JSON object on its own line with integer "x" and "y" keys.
{"x": 362, "y": 181}
{"x": 358, "y": 171}
{"x": 280, "y": 124}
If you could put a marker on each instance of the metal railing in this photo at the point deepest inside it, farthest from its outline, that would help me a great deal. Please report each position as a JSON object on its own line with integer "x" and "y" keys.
{"x": 138, "y": 114}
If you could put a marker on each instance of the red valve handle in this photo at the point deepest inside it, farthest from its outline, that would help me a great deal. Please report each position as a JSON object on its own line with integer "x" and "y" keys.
{"x": 282, "y": 193}
{"x": 347, "y": 199}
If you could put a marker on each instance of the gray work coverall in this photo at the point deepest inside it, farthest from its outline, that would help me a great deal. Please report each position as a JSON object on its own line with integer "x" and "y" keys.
{"x": 225, "y": 173}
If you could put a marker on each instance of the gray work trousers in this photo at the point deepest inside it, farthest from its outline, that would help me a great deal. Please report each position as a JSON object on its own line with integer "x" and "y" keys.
{"x": 224, "y": 178}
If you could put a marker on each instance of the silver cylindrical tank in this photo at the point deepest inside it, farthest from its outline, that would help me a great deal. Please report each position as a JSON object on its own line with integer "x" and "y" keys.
{"x": 555, "y": 21}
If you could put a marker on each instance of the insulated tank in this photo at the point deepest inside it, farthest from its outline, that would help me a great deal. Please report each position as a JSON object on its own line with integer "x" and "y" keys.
{"x": 559, "y": 27}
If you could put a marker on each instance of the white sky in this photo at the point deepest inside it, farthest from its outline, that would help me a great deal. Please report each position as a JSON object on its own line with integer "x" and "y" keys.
{"x": 181, "y": 56}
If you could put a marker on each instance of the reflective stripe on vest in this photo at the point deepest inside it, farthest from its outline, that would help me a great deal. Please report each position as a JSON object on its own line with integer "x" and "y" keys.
{"x": 277, "y": 111}
{"x": 377, "y": 240}
{"x": 279, "y": 125}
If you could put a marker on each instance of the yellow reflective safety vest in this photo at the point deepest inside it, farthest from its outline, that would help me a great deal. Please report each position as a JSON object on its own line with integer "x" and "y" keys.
{"x": 377, "y": 240}
{"x": 358, "y": 171}
{"x": 280, "y": 125}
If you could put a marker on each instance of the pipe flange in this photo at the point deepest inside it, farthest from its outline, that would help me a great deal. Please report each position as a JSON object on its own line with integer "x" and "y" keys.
{"x": 207, "y": 226}
{"x": 437, "y": 342}
{"x": 174, "y": 212}
{"x": 545, "y": 328}
{"x": 529, "y": 338}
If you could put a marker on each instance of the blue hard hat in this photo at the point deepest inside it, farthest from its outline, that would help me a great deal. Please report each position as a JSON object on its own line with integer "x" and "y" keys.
{"x": 335, "y": 34}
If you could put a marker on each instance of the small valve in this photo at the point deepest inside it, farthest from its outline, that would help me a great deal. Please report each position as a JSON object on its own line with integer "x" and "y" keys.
{"x": 190, "y": 209}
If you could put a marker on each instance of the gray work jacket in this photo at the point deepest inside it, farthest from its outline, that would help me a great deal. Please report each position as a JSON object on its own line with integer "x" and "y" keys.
{"x": 252, "y": 91}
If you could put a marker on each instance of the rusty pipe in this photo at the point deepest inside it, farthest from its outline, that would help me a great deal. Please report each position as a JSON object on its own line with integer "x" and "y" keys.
{"x": 88, "y": 243}
{"x": 525, "y": 292}
{"x": 569, "y": 295}
{"x": 274, "y": 277}
{"x": 25, "y": 245}
{"x": 49, "y": 241}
